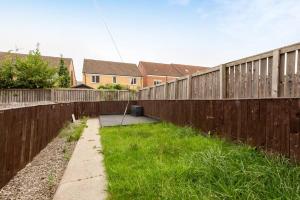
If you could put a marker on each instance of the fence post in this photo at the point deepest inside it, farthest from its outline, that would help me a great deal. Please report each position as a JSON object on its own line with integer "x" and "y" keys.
{"x": 223, "y": 81}
{"x": 275, "y": 73}
{"x": 189, "y": 87}
{"x": 154, "y": 93}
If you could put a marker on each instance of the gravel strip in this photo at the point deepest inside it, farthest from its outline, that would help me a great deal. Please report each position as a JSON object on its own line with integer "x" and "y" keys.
{"x": 40, "y": 178}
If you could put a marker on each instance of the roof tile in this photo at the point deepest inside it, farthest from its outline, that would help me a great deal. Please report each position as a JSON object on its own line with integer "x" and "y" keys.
{"x": 175, "y": 70}
{"x": 53, "y": 61}
{"x": 110, "y": 68}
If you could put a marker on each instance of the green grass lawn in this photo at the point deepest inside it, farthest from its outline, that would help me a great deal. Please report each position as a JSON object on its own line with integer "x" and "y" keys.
{"x": 162, "y": 161}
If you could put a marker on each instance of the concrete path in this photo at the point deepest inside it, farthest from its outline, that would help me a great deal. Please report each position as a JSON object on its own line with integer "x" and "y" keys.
{"x": 115, "y": 120}
{"x": 84, "y": 178}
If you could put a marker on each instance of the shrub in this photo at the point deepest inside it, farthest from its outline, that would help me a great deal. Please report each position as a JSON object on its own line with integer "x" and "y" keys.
{"x": 112, "y": 87}
{"x": 33, "y": 72}
{"x": 63, "y": 75}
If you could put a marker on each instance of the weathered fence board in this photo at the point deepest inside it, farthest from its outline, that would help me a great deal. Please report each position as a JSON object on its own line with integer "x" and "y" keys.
{"x": 269, "y": 124}
{"x": 271, "y": 74}
{"x": 182, "y": 88}
{"x": 13, "y": 96}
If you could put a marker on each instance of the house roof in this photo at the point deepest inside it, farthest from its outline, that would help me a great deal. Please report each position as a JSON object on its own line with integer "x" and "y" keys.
{"x": 176, "y": 70}
{"x": 110, "y": 68}
{"x": 82, "y": 86}
{"x": 53, "y": 61}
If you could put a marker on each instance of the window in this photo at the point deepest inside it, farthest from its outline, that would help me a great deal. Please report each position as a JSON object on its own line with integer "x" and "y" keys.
{"x": 156, "y": 82}
{"x": 95, "y": 79}
{"x": 114, "y": 79}
{"x": 133, "y": 81}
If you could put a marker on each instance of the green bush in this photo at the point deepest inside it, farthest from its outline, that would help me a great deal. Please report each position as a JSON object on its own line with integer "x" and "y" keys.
{"x": 32, "y": 72}
{"x": 112, "y": 87}
{"x": 7, "y": 74}
{"x": 64, "y": 78}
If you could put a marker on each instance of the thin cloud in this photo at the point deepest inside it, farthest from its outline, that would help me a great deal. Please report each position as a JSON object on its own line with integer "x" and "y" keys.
{"x": 256, "y": 19}
{"x": 180, "y": 2}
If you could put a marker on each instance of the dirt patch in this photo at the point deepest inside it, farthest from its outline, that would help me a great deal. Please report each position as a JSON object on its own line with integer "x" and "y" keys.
{"x": 40, "y": 178}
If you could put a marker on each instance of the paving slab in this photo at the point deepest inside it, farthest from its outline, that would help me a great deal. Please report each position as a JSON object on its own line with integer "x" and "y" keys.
{"x": 115, "y": 120}
{"x": 84, "y": 178}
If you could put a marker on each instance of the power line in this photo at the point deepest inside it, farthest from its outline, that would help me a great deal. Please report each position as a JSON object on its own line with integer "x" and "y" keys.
{"x": 109, "y": 31}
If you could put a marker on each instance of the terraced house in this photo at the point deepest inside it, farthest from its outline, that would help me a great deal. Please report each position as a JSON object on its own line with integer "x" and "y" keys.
{"x": 98, "y": 72}
{"x": 52, "y": 61}
{"x": 157, "y": 73}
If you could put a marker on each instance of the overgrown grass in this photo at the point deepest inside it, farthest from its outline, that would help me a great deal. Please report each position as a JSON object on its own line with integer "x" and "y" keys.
{"x": 162, "y": 161}
{"x": 73, "y": 132}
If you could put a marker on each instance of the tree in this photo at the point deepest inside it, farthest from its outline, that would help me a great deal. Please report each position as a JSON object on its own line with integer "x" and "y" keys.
{"x": 7, "y": 73}
{"x": 33, "y": 72}
{"x": 64, "y": 78}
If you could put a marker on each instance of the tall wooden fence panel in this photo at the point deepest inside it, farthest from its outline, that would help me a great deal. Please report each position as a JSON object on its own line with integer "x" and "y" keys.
{"x": 250, "y": 78}
{"x": 206, "y": 85}
{"x": 160, "y": 92}
{"x": 67, "y": 95}
{"x": 270, "y": 124}
{"x": 183, "y": 88}
{"x": 273, "y": 74}
{"x": 289, "y": 72}
{"x": 24, "y": 95}
{"x": 13, "y": 96}
{"x": 25, "y": 131}
{"x": 152, "y": 92}
{"x": 171, "y": 90}
{"x": 144, "y": 94}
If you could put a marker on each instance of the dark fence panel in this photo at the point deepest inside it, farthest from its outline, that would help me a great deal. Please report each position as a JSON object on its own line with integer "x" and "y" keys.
{"x": 94, "y": 109}
{"x": 269, "y": 124}
{"x": 25, "y": 131}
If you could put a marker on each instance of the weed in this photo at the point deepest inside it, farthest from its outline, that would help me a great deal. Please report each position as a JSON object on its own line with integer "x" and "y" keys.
{"x": 51, "y": 179}
{"x": 73, "y": 132}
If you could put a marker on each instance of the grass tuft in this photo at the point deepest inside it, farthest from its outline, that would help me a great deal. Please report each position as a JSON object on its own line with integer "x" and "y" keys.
{"x": 72, "y": 132}
{"x": 162, "y": 161}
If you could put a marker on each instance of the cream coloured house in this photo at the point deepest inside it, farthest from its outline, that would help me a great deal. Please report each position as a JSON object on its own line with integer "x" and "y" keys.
{"x": 98, "y": 72}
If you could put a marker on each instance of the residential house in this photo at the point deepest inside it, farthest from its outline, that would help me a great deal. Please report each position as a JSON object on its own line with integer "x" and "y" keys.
{"x": 157, "y": 73}
{"x": 53, "y": 62}
{"x": 98, "y": 72}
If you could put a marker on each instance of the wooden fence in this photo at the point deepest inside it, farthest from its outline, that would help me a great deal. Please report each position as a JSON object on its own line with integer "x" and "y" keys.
{"x": 270, "y": 124}
{"x": 271, "y": 74}
{"x": 24, "y": 132}
{"x": 9, "y": 96}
